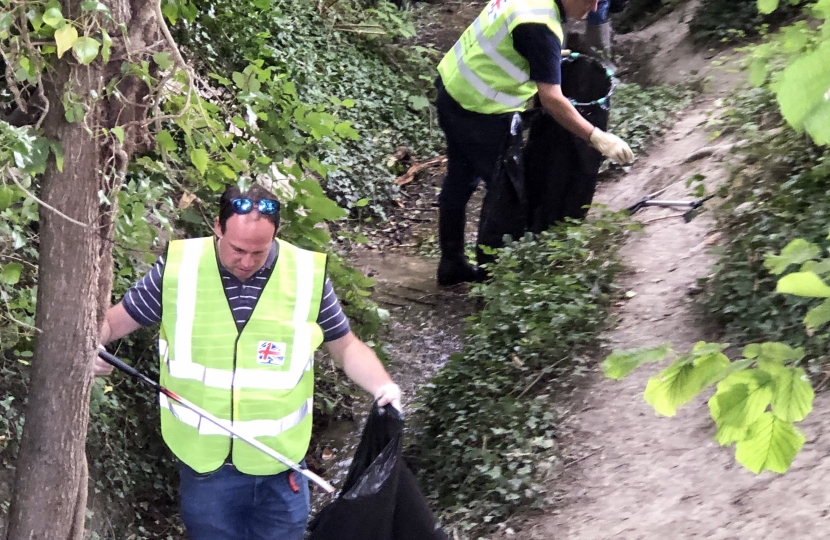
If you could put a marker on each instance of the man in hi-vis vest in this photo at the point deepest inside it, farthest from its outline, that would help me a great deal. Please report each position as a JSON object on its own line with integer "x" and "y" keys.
{"x": 511, "y": 52}
{"x": 241, "y": 314}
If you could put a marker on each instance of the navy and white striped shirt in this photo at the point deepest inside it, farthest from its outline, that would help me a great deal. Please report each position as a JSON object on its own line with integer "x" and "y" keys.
{"x": 143, "y": 300}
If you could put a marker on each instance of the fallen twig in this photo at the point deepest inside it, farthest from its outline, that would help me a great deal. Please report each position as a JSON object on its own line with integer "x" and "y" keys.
{"x": 409, "y": 175}
{"x": 583, "y": 458}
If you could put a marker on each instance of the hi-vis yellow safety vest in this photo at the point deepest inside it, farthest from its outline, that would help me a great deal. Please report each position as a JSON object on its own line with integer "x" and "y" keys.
{"x": 259, "y": 380}
{"x": 483, "y": 72}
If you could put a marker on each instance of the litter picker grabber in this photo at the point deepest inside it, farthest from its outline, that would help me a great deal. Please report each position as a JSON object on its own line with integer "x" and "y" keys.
{"x": 120, "y": 364}
{"x": 650, "y": 200}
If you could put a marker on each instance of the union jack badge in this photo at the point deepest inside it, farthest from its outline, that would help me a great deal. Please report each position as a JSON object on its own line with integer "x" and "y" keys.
{"x": 270, "y": 353}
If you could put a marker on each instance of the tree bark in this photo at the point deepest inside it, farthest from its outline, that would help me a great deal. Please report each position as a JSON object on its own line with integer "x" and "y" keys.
{"x": 75, "y": 274}
{"x": 50, "y": 472}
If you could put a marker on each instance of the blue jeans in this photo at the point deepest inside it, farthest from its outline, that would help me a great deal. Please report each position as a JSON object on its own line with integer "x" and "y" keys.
{"x": 600, "y": 16}
{"x": 229, "y": 505}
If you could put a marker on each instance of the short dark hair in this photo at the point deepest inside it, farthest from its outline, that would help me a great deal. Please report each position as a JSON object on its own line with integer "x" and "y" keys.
{"x": 256, "y": 193}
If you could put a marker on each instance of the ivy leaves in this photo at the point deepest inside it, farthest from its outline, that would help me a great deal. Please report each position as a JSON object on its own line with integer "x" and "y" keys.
{"x": 487, "y": 424}
{"x": 65, "y": 38}
{"x": 85, "y": 48}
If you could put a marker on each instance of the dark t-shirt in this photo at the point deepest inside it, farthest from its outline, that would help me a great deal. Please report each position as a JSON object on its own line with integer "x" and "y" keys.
{"x": 541, "y": 47}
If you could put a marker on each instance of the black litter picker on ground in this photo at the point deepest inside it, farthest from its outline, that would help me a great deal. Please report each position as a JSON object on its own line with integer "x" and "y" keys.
{"x": 652, "y": 200}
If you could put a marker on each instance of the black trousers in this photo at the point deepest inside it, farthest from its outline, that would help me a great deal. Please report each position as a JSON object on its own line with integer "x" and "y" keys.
{"x": 489, "y": 147}
{"x": 475, "y": 143}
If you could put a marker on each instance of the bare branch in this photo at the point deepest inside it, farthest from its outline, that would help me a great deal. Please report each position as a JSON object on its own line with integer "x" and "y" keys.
{"x": 40, "y": 202}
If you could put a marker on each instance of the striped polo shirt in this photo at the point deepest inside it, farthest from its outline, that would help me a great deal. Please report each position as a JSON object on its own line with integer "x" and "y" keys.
{"x": 143, "y": 300}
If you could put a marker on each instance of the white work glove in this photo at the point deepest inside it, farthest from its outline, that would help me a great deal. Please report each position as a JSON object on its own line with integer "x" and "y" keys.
{"x": 611, "y": 146}
{"x": 389, "y": 393}
{"x": 565, "y": 52}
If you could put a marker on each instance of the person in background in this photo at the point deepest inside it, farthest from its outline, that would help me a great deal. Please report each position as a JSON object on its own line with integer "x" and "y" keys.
{"x": 598, "y": 31}
{"x": 241, "y": 313}
{"x": 511, "y": 52}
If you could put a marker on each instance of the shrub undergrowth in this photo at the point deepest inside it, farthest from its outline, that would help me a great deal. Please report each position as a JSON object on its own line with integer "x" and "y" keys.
{"x": 486, "y": 429}
{"x": 726, "y": 22}
{"x": 639, "y": 114}
{"x": 345, "y": 53}
{"x": 777, "y": 194}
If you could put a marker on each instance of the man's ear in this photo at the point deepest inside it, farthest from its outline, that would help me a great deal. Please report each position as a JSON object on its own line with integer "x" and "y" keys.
{"x": 217, "y": 229}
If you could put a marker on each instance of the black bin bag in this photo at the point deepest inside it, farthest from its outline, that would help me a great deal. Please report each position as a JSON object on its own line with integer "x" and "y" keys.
{"x": 561, "y": 168}
{"x": 380, "y": 499}
{"x": 504, "y": 208}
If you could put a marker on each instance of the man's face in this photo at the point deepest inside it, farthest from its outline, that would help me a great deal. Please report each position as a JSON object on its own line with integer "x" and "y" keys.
{"x": 579, "y": 9}
{"x": 244, "y": 246}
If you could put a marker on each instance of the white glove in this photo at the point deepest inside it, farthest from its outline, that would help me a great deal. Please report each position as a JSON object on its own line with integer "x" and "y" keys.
{"x": 565, "y": 52}
{"x": 389, "y": 393}
{"x": 611, "y": 146}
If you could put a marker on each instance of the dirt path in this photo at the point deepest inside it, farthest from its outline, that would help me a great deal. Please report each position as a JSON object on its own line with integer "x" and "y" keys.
{"x": 648, "y": 477}
{"x": 639, "y": 476}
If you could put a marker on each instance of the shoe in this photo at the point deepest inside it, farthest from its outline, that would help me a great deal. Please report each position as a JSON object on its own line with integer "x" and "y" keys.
{"x": 452, "y": 271}
{"x": 454, "y": 267}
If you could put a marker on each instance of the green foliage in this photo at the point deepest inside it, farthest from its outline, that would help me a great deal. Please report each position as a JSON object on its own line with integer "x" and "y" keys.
{"x": 778, "y": 194}
{"x": 802, "y": 85}
{"x": 638, "y": 124}
{"x": 685, "y": 378}
{"x": 486, "y": 428}
{"x": 18, "y": 233}
{"x": 758, "y": 399}
{"x": 807, "y": 282}
{"x": 339, "y": 67}
{"x": 774, "y": 226}
{"x": 737, "y": 20}
{"x": 620, "y": 363}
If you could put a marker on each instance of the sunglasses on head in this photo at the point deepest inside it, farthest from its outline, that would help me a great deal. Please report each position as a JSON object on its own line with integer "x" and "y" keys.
{"x": 264, "y": 206}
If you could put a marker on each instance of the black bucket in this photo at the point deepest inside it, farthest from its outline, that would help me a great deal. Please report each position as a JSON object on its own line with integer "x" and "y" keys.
{"x": 560, "y": 168}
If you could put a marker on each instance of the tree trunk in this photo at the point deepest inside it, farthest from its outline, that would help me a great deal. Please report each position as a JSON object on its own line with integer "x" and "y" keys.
{"x": 51, "y": 473}
{"x": 75, "y": 273}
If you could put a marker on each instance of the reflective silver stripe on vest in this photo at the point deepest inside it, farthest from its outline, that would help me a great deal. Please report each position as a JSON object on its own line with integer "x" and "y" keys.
{"x": 186, "y": 298}
{"x": 302, "y": 358}
{"x": 489, "y": 48}
{"x": 253, "y": 428}
{"x": 480, "y": 86}
{"x": 301, "y": 353}
{"x": 245, "y": 378}
{"x": 550, "y": 13}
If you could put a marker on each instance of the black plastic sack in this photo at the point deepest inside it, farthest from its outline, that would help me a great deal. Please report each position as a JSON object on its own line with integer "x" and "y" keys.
{"x": 505, "y": 205}
{"x": 561, "y": 168}
{"x": 380, "y": 499}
